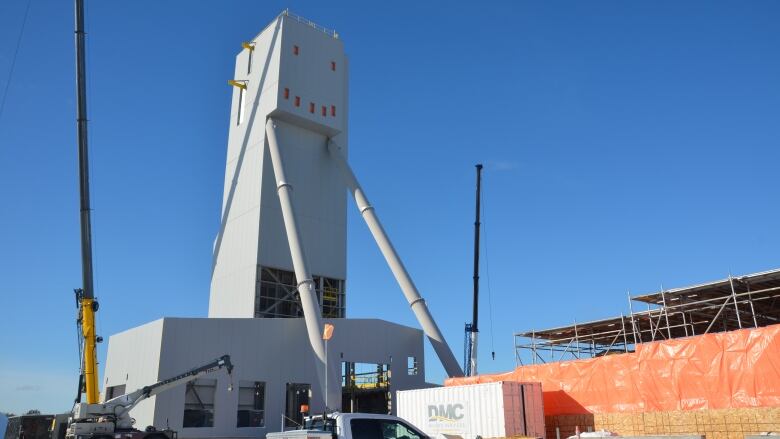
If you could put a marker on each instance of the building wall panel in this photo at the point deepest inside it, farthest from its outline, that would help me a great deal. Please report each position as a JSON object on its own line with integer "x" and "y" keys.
{"x": 275, "y": 351}
{"x": 254, "y": 233}
{"x": 133, "y": 360}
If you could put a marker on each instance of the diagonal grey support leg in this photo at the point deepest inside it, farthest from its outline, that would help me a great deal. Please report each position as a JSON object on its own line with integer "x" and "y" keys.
{"x": 416, "y": 302}
{"x": 309, "y": 302}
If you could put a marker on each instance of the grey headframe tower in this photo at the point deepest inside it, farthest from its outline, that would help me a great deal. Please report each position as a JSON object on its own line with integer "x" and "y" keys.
{"x": 281, "y": 247}
{"x": 297, "y": 75}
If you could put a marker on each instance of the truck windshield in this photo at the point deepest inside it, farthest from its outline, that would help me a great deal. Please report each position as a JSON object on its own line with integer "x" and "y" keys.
{"x": 318, "y": 424}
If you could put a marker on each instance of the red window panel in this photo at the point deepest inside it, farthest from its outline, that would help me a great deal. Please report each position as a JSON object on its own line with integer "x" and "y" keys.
{"x": 333, "y": 110}
{"x": 333, "y": 65}
{"x": 296, "y": 50}
{"x": 287, "y": 93}
{"x": 324, "y": 110}
{"x": 297, "y": 101}
{"x": 311, "y": 107}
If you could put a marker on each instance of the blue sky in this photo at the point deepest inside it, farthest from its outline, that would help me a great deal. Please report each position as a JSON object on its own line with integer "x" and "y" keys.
{"x": 627, "y": 145}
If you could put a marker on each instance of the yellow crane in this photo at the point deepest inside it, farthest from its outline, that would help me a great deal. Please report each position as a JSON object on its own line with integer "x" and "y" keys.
{"x": 88, "y": 380}
{"x": 85, "y": 296}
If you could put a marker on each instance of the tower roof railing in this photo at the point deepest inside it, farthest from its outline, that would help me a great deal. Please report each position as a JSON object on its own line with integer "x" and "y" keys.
{"x": 306, "y": 21}
{"x": 286, "y": 13}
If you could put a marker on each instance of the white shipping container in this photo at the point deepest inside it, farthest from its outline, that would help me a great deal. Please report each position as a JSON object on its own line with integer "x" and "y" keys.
{"x": 490, "y": 410}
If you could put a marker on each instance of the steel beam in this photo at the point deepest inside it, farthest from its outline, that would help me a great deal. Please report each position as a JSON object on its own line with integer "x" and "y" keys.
{"x": 309, "y": 302}
{"x": 734, "y": 296}
{"x": 416, "y": 302}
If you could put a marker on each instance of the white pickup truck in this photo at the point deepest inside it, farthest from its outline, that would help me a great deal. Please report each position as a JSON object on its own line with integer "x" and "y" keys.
{"x": 352, "y": 426}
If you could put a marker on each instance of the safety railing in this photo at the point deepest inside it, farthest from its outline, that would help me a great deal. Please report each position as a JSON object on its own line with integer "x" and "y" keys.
{"x": 306, "y": 21}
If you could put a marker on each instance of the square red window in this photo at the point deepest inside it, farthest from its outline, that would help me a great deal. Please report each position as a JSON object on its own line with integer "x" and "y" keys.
{"x": 287, "y": 93}
{"x": 333, "y": 110}
{"x": 296, "y": 50}
{"x": 311, "y": 107}
{"x": 297, "y": 101}
{"x": 324, "y": 110}
{"x": 333, "y": 65}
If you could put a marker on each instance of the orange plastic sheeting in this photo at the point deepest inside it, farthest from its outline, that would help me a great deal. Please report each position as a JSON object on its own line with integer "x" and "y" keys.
{"x": 713, "y": 371}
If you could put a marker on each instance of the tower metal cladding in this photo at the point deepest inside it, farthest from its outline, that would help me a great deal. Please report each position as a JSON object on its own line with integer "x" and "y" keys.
{"x": 294, "y": 73}
{"x": 281, "y": 247}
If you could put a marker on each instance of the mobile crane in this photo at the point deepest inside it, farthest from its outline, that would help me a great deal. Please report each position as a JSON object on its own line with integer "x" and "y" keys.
{"x": 92, "y": 419}
{"x": 85, "y": 296}
{"x": 106, "y": 420}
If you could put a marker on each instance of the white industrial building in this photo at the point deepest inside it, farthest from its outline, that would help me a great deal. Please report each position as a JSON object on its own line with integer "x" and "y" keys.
{"x": 279, "y": 255}
{"x": 272, "y": 357}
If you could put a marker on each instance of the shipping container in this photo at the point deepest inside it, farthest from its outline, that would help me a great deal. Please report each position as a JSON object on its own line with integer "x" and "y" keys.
{"x": 491, "y": 410}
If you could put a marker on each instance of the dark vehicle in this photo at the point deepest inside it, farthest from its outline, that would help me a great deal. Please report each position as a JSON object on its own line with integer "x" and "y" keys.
{"x": 59, "y": 426}
{"x": 28, "y": 427}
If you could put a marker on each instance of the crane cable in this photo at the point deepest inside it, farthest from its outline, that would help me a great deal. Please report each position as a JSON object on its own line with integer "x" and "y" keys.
{"x": 13, "y": 60}
{"x": 487, "y": 272}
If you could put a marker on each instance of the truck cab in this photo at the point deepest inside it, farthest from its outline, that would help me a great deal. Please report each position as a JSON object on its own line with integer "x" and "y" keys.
{"x": 352, "y": 426}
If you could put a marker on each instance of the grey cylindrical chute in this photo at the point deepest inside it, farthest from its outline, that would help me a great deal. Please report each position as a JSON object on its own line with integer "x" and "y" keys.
{"x": 309, "y": 302}
{"x": 416, "y": 302}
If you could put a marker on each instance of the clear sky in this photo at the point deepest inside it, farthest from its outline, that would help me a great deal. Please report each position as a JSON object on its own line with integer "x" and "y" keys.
{"x": 627, "y": 145}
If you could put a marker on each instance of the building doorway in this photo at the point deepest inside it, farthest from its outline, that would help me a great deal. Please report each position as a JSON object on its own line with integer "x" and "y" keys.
{"x": 365, "y": 388}
{"x": 298, "y": 397}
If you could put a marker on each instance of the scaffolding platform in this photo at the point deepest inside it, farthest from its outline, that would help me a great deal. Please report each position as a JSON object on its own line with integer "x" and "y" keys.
{"x": 736, "y": 302}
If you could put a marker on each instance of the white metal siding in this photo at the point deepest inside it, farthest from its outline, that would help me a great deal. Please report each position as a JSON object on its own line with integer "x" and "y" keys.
{"x": 133, "y": 361}
{"x": 254, "y": 233}
{"x": 275, "y": 351}
{"x": 488, "y": 410}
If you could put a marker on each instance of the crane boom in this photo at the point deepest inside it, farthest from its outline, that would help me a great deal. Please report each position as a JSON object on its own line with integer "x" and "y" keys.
{"x": 162, "y": 386}
{"x": 85, "y": 296}
{"x": 472, "y": 330}
{"x": 114, "y": 414}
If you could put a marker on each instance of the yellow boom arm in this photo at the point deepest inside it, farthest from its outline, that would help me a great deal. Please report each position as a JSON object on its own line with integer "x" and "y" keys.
{"x": 87, "y": 309}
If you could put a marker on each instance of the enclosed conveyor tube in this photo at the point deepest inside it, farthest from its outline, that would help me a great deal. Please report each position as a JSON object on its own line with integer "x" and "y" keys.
{"x": 309, "y": 302}
{"x": 416, "y": 302}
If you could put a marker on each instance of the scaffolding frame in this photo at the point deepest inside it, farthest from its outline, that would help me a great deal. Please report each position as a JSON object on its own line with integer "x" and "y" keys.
{"x": 748, "y": 301}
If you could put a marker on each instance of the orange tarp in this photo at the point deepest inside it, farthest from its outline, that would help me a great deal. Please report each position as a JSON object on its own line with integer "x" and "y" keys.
{"x": 733, "y": 369}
